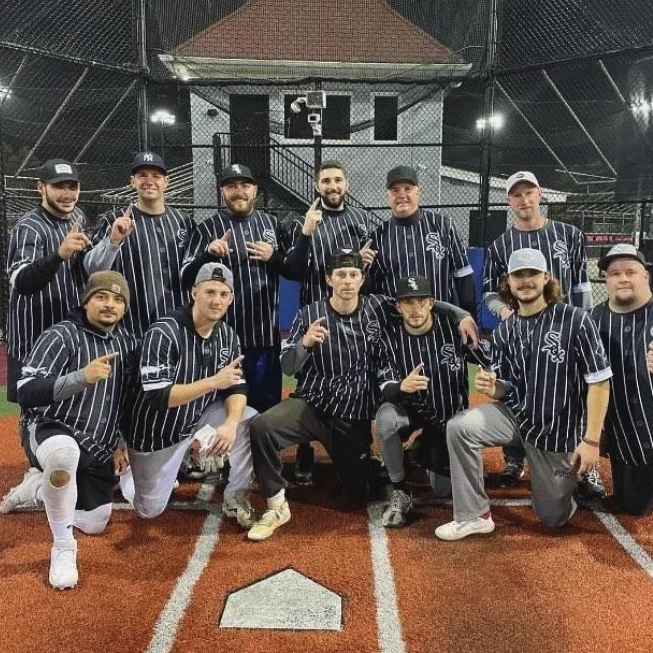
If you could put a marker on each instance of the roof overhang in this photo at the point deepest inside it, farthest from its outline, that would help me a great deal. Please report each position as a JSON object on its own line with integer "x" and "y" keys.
{"x": 188, "y": 68}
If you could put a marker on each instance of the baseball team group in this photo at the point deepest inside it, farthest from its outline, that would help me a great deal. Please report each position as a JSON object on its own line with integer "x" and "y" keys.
{"x": 149, "y": 347}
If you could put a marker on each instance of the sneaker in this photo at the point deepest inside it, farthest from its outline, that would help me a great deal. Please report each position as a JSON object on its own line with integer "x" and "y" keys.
{"x": 63, "y": 566}
{"x": 23, "y": 495}
{"x": 456, "y": 530}
{"x": 304, "y": 465}
{"x": 239, "y": 508}
{"x": 269, "y": 523}
{"x": 590, "y": 486}
{"x": 511, "y": 474}
{"x": 401, "y": 504}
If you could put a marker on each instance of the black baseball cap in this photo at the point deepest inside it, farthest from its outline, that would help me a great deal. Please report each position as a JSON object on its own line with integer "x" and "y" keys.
{"x": 236, "y": 171}
{"x": 55, "y": 170}
{"x": 345, "y": 258}
{"x": 150, "y": 160}
{"x": 414, "y": 286}
{"x": 622, "y": 250}
{"x": 401, "y": 173}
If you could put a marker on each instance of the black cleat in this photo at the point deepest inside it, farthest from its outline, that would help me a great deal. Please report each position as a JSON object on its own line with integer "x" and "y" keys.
{"x": 304, "y": 464}
{"x": 511, "y": 474}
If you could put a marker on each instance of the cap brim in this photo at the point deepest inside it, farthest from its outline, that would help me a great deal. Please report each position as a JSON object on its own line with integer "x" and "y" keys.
{"x": 522, "y": 181}
{"x": 55, "y": 180}
{"x": 606, "y": 260}
{"x": 526, "y": 267}
{"x": 404, "y": 179}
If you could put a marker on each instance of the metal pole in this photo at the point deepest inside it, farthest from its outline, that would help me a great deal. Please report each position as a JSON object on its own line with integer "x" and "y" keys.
{"x": 4, "y": 288}
{"x": 317, "y": 144}
{"x": 143, "y": 75}
{"x": 487, "y": 134}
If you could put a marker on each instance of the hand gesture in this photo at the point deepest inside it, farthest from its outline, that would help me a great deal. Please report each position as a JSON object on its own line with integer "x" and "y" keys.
{"x": 585, "y": 456}
{"x": 99, "y": 369}
{"x": 220, "y": 246}
{"x": 316, "y": 334}
{"x": 74, "y": 242}
{"x": 415, "y": 381}
{"x": 649, "y": 358}
{"x": 367, "y": 253}
{"x": 485, "y": 382}
{"x": 229, "y": 375}
{"x": 312, "y": 218}
{"x": 469, "y": 331}
{"x": 122, "y": 227}
{"x": 120, "y": 461}
{"x": 259, "y": 251}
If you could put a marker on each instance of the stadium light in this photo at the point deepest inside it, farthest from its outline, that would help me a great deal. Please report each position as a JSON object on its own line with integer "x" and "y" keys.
{"x": 496, "y": 120}
{"x": 163, "y": 117}
{"x": 5, "y": 92}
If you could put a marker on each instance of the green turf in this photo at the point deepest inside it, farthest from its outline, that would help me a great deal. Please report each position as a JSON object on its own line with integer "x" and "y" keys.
{"x": 7, "y": 408}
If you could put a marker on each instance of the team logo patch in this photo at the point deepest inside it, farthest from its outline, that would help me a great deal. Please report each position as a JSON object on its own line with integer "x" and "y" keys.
{"x": 182, "y": 236}
{"x": 561, "y": 252}
{"x": 373, "y": 331}
{"x": 115, "y": 288}
{"x": 553, "y": 348}
{"x": 362, "y": 230}
{"x": 148, "y": 156}
{"x": 450, "y": 358}
{"x": 63, "y": 169}
{"x": 224, "y": 356}
{"x": 270, "y": 237}
{"x": 237, "y": 169}
{"x": 435, "y": 245}
{"x": 412, "y": 284}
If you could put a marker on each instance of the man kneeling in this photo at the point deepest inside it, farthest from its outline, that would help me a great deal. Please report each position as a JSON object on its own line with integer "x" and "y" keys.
{"x": 553, "y": 380}
{"x": 73, "y": 388}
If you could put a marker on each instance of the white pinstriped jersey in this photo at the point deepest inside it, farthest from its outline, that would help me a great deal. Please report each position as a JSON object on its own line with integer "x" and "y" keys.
{"x": 349, "y": 228}
{"x": 443, "y": 355}
{"x": 547, "y": 360}
{"x": 38, "y": 235}
{"x": 629, "y": 425}
{"x": 94, "y": 414}
{"x": 150, "y": 258}
{"x": 254, "y": 312}
{"x": 174, "y": 353}
{"x": 425, "y": 244}
{"x": 563, "y": 248}
{"x": 338, "y": 378}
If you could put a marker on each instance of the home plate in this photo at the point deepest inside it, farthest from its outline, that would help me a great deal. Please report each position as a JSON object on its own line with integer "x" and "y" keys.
{"x": 286, "y": 601}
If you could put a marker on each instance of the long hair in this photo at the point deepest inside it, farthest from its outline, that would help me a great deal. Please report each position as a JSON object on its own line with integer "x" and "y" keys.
{"x": 552, "y": 293}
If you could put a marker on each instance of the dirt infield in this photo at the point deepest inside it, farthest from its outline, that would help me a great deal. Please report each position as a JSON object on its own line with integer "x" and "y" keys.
{"x": 163, "y": 585}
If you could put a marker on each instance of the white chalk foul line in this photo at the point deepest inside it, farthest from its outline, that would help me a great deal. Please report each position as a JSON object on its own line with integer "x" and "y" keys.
{"x": 165, "y": 630}
{"x": 387, "y": 610}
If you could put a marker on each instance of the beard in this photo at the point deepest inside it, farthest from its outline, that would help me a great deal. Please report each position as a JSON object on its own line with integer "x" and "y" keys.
{"x": 333, "y": 200}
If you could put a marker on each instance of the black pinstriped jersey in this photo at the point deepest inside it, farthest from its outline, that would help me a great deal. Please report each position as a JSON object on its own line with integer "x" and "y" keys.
{"x": 349, "y": 228}
{"x": 338, "y": 378}
{"x": 93, "y": 414}
{"x": 563, "y": 248}
{"x": 444, "y": 357}
{"x": 150, "y": 259}
{"x": 546, "y": 361}
{"x": 424, "y": 244}
{"x": 254, "y": 312}
{"x": 629, "y": 425}
{"x": 174, "y": 353}
{"x": 37, "y": 235}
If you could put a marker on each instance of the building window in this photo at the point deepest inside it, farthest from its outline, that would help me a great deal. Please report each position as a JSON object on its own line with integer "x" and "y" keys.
{"x": 336, "y": 118}
{"x": 386, "y": 110}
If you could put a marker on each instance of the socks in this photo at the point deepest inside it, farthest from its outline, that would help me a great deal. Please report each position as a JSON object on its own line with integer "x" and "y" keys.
{"x": 275, "y": 502}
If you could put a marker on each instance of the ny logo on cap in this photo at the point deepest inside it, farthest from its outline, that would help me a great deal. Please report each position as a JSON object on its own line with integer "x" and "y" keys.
{"x": 115, "y": 288}
{"x": 148, "y": 157}
{"x": 237, "y": 169}
{"x": 412, "y": 284}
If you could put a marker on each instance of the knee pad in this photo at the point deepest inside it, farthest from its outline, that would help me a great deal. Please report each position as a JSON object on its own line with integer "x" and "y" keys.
{"x": 93, "y": 521}
{"x": 60, "y": 453}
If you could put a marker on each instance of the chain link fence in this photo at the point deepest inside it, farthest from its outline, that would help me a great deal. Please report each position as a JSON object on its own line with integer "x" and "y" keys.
{"x": 565, "y": 90}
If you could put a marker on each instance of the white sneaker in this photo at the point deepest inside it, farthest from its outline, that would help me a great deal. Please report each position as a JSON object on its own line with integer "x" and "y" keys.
{"x": 239, "y": 508}
{"x": 269, "y": 523}
{"x": 456, "y": 530}
{"x": 63, "y": 566}
{"x": 23, "y": 495}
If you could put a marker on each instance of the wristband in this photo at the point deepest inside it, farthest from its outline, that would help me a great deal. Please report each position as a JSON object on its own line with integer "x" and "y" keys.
{"x": 592, "y": 443}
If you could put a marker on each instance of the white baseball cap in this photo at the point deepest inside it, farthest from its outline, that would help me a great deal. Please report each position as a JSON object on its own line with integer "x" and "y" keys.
{"x": 527, "y": 259}
{"x": 522, "y": 175}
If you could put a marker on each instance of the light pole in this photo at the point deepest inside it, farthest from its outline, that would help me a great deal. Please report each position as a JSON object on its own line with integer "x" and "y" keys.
{"x": 163, "y": 118}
